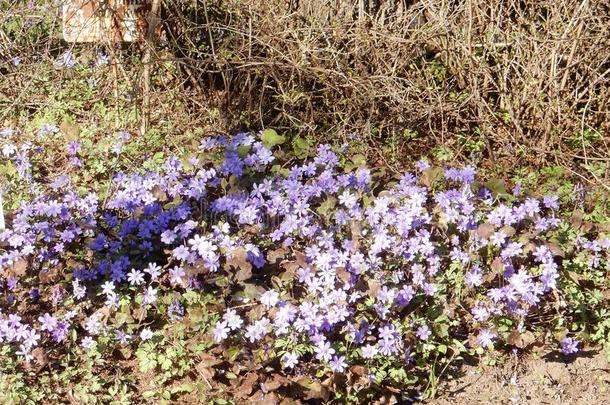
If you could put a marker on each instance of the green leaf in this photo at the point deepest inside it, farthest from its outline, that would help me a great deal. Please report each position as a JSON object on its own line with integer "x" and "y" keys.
{"x": 271, "y": 138}
{"x": 300, "y": 146}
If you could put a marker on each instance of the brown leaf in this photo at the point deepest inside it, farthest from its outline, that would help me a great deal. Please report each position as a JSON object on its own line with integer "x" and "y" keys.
{"x": 196, "y": 269}
{"x": 205, "y": 371}
{"x": 313, "y": 389}
{"x": 253, "y": 229}
{"x": 555, "y": 249}
{"x": 159, "y": 194}
{"x": 49, "y": 276}
{"x": 18, "y": 268}
{"x": 358, "y": 370}
{"x": 430, "y": 175}
{"x": 260, "y": 398}
{"x": 497, "y": 266}
{"x": 238, "y": 259}
{"x": 343, "y": 275}
{"x": 576, "y": 219}
{"x": 40, "y": 357}
{"x": 277, "y": 254}
{"x": 276, "y": 382}
{"x": 208, "y": 360}
{"x": 373, "y": 288}
{"x": 485, "y": 231}
{"x": 356, "y": 231}
{"x": 508, "y": 230}
{"x": 139, "y": 313}
{"x": 70, "y": 130}
{"x": 246, "y": 385}
{"x": 521, "y": 340}
{"x": 301, "y": 258}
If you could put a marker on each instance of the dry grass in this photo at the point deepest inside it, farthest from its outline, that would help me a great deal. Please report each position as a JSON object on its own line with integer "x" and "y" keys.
{"x": 516, "y": 74}
{"x": 515, "y": 83}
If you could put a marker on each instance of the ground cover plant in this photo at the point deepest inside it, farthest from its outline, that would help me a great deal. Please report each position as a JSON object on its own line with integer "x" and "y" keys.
{"x": 323, "y": 274}
{"x": 415, "y": 213}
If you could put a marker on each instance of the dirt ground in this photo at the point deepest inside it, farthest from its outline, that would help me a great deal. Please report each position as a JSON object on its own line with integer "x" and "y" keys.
{"x": 548, "y": 378}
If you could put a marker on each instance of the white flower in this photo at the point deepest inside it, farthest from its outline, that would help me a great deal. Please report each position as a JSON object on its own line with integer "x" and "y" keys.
{"x": 153, "y": 270}
{"x": 146, "y": 334}
{"x": 203, "y": 246}
{"x": 270, "y": 298}
{"x": 150, "y": 296}
{"x": 220, "y": 331}
{"x": 232, "y": 319}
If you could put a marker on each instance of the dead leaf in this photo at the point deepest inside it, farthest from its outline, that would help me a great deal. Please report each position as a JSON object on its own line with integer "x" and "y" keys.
{"x": 356, "y": 231}
{"x": 485, "y": 231}
{"x": 497, "y": 266}
{"x": 196, "y": 269}
{"x": 429, "y": 176}
{"x": 313, "y": 389}
{"x": 276, "y": 382}
{"x": 205, "y": 371}
{"x": 521, "y": 340}
{"x": 253, "y": 229}
{"x": 49, "y": 276}
{"x": 70, "y": 130}
{"x": 18, "y": 268}
{"x": 508, "y": 230}
{"x": 159, "y": 194}
{"x": 246, "y": 385}
{"x": 277, "y": 254}
{"x": 343, "y": 275}
{"x": 260, "y": 398}
{"x": 555, "y": 249}
{"x": 358, "y": 370}
{"x": 576, "y": 219}
{"x": 373, "y": 288}
{"x": 238, "y": 259}
{"x": 40, "y": 357}
{"x": 208, "y": 360}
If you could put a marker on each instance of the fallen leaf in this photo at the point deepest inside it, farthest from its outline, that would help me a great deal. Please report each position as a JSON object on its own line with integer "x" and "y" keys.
{"x": 238, "y": 259}
{"x": 49, "y": 276}
{"x": 18, "y": 268}
{"x": 246, "y": 385}
{"x": 521, "y": 340}
{"x": 485, "y": 231}
{"x": 276, "y": 382}
{"x": 277, "y": 254}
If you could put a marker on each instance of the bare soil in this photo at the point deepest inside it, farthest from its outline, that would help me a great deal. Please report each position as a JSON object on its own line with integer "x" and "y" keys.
{"x": 547, "y": 378}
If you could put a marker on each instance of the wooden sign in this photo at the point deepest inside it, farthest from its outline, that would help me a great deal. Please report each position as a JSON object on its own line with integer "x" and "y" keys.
{"x": 103, "y": 20}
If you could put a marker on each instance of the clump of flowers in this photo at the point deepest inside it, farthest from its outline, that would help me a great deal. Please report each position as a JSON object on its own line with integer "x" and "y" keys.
{"x": 336, "y": 269}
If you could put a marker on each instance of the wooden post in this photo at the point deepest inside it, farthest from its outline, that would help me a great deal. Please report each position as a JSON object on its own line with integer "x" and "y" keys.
{"x": 146, "y": 61}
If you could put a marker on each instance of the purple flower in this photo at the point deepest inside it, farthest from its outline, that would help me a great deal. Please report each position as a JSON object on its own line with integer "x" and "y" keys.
{"x": 338, "y": 364}
{"x": 73, "y": 147}
{"x": 220, "y": 331}
{"x": 569, "y": 346}
{"x": 270, "y": 298}
{"x": 551, "y": 201}
{"x": 290, "y": 360}
{"x": 423, "y": 332}
{"x": 324, "y": 351}
{"x": 485, "y": 338}
{"x": 88, "y": 343}
{"x": 47, "y": 322}
{"x": 369, "y": 351}
{"x": 181, "y": 252}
